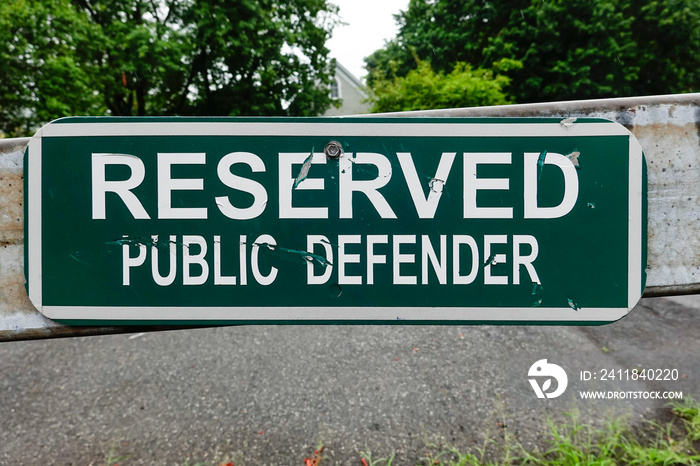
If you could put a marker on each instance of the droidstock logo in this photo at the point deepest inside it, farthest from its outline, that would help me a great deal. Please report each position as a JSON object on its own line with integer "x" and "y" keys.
{"x": 546, "y": 372}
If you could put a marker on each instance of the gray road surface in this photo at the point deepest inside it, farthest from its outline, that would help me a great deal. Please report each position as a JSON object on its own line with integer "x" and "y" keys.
{"x": 268, "y": 395}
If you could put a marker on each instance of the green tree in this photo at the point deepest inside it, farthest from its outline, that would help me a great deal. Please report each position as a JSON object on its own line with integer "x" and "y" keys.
{"x": 422, "y": 88}
{"x": 41, "y": 74}
{"x": 570, "y": 49}
{"x": 162, "y": 57}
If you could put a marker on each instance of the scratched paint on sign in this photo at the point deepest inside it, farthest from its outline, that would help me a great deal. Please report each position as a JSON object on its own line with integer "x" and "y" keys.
{"x": 245, "y": 220}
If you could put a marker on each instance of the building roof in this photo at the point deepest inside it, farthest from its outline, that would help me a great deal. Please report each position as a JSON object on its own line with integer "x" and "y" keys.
{"x": 354, "y": 81}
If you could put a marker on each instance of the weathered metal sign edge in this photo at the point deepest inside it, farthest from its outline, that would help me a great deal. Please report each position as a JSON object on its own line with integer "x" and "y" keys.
{"x": 436, "y": 127}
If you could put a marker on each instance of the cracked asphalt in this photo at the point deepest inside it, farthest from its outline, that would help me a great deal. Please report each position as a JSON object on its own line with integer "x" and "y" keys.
{"x": 259, "y": 395}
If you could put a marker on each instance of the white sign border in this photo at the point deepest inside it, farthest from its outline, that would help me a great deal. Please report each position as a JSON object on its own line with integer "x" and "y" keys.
{"x": 348, "y": 127}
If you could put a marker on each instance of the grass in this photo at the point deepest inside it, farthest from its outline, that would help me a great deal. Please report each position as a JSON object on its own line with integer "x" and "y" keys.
{"x": 574, "y": 443}
{"x": 367, "y": 460}
{"x": 689, "y": 413}
{"x": 674, "y": 442}
{"x": 113, "y": 460}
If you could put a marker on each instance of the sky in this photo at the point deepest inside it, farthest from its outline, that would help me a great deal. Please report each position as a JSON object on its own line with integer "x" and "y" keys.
{"x": 369, "y": 24}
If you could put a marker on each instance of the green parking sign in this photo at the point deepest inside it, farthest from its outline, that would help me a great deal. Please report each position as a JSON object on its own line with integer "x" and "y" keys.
{"x": 373, "y": 220}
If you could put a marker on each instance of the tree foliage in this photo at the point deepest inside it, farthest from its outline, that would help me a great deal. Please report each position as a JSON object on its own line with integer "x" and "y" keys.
{"x": 570, "y": 49}
{"x": 162, "y": 57}
{"x": 41, "y": 75}
{"x": 422, "y": 88}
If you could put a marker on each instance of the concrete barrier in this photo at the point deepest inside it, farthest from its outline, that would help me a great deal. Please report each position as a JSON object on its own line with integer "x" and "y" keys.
{"x": 668, "y": 127}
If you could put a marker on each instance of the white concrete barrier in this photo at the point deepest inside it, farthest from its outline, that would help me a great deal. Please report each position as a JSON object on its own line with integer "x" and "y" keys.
{"x": 668, "y": 127}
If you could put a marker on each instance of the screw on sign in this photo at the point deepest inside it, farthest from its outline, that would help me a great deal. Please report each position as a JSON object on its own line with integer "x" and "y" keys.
{"x": 333, "y": 150}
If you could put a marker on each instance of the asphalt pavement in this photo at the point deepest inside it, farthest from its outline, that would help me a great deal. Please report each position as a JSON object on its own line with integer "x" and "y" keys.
{"x": 268, "y": 395}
